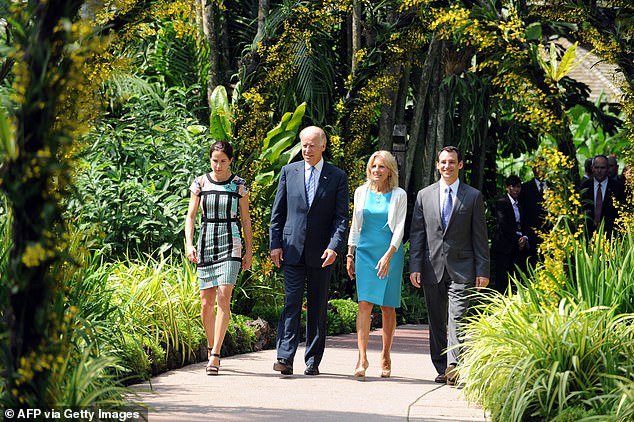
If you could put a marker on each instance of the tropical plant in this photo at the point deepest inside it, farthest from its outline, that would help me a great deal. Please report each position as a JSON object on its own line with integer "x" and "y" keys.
{"x": 592, "y": 138}
{"x": 564, "y": 357}
{"x": 50, "y": 105}
{"x": 570, "y": 356}
{"x": 601, "y": 272}
{"x": 134, "y": 179}
{"x": 342, "y": 316}
{"x": 157, "y": 299}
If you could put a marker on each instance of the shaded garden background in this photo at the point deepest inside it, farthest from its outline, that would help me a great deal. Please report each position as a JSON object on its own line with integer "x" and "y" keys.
{"x": 107, "y": 114}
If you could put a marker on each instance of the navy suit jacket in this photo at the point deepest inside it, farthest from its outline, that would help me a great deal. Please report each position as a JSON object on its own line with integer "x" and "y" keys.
{"x": 299, "y": 230}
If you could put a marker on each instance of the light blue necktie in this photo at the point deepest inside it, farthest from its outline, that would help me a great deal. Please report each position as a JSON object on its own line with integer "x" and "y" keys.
{"x": 446, "y": 208}
{"x": 310, "y": 187}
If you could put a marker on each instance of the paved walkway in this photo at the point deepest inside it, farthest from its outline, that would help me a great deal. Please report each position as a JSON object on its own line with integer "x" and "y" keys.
{"x": 248, "y": 389}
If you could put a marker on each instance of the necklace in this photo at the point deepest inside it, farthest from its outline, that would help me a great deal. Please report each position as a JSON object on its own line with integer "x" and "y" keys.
{"x": 379, "y": 197}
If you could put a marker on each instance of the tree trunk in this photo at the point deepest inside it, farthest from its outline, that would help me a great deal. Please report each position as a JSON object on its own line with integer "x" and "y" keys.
{"x": 388, "y": 108}
{"x": 402, "y": 94}
{"x": 435, "y": 119}
{"x": 34, "y": 186}
{"x": 417, "y": 120}
{"x": 225, "y": 60}
{"x": 356, "y": 36}
{"x": 480, "y": 150}
{"x": 263, "y": 13}
{"x": 209, "y": 29}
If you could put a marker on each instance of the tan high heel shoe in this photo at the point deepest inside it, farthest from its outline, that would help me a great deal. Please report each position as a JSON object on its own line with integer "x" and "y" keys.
{"x": 386, "y": 368}
{"x": 359, "y": 371}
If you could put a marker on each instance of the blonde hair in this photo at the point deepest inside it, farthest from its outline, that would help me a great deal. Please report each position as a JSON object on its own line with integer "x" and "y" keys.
{"x": 390, "y": 162}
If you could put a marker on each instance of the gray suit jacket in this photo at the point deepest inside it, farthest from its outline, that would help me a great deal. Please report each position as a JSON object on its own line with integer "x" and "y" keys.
{"x": 462, "y": 248}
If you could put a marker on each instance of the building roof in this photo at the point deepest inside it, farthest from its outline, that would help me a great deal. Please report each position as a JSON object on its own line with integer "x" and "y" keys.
{"x": 601, "y": 77}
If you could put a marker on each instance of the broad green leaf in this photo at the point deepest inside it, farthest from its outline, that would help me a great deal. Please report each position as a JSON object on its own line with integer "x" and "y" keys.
{"x": 536, "y": 53}
{"x": 7, "y": 141}
{"x": 196, "y": 129}
{"x": 533, "y": 31}
{"x": 288, "y": 155}
{"x": 567, "y": 62}
{"x": 268, "y": 176}
{"x": 553, "y": 60}
{"x": 298, "y": 115}
{"x": 582, "y": 124}
{"x": 279, "y": 128}
{"x": 273, "y": 152}
{"x": 220, "y": 121}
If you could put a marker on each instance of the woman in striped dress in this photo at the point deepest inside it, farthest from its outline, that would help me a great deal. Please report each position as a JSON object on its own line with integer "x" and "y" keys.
{"x": 221, "y": 196}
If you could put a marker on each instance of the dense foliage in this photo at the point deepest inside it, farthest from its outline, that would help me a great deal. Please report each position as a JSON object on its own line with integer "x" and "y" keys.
{"x": 94, "y": 187}
{"x": 133, "y": 183}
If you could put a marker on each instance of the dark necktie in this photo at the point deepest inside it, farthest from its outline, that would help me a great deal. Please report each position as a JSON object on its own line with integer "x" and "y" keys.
{"x": 446, "y": 208}
{"x": 598, "y": 205}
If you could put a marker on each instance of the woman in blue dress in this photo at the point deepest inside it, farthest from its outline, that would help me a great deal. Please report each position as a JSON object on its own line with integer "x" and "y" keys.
{"x": 375, "y": 253}
{"x": 221, "y": 196}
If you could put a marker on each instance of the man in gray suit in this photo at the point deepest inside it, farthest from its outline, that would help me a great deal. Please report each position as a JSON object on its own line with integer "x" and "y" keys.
{"x": 449, "y": 254}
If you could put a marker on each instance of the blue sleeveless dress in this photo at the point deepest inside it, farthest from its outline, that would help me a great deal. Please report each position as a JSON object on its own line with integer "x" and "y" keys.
{"x": 374, "y": 240}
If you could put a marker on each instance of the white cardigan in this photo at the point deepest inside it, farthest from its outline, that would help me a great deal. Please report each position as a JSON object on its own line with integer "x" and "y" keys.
{"x": 395, "y": 215}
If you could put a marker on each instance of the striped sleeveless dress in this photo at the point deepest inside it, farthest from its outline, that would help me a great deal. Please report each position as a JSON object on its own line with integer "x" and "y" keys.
{"x": 219, "y": 242}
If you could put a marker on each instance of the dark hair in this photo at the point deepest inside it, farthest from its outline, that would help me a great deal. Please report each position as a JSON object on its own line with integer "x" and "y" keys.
{"x": 513, "y": 180}
{"x": 594, "y": 159}
{"x": 223, "y": 147}
{"x": 587, "y": 165}
{"x": 450, "y": 148}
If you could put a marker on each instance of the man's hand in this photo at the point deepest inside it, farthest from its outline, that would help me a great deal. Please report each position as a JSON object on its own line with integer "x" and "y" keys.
{"x": 277, "y": 256}
{"x": 329, "y": 257}
{"x": 481, "y": 282}
{"x": 414, "y": 278}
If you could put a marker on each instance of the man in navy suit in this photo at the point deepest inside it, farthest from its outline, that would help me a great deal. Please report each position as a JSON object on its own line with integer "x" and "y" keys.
{"x": 308, "y": 226}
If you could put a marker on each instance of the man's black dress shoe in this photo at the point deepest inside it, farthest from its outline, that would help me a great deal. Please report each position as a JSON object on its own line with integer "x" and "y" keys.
{"x": 311, "y": 370}
{"x": 441, "y": 379}
{"x": 284, "y": 366}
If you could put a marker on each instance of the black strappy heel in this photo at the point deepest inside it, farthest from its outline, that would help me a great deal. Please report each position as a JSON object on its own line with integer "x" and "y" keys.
{"x": 213, "y": 369}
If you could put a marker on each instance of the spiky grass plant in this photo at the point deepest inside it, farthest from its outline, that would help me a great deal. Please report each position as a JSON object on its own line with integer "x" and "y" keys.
{"x": 525, "y": 361}
{"x": 602, "y": 272}
{"x": 159, "y": 299}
